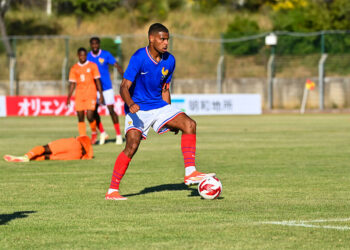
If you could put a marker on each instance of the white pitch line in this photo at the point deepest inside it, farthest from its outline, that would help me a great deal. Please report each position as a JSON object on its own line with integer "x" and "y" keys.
{"x": 327, "y": 220}
{"x": 295, "y": 224}
{"x": 304, "y": 223}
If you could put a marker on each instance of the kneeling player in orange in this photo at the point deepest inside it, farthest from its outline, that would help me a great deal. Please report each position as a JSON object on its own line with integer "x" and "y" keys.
{"x": 85, "y": 76}
{"x": 62, "y": 149}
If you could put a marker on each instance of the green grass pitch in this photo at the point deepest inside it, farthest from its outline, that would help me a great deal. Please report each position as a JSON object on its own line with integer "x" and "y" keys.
{"x": 273, "y": 168}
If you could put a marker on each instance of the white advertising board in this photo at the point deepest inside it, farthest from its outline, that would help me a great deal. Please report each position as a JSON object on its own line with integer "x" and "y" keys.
{"x": 2, "y": 106}
{"x": 218, "y": 104}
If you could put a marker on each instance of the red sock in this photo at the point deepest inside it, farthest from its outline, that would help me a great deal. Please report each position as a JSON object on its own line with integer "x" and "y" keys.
{"x": 117, "y": 128}
{"x": 100, "y": 127}
{"x": 188, "y": 148}
{"x": 120, "y": 166}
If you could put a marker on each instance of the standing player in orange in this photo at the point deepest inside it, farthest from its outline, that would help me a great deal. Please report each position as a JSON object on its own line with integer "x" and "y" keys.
{"x": 85, "y": 76}
{"x": 62, "y": 149}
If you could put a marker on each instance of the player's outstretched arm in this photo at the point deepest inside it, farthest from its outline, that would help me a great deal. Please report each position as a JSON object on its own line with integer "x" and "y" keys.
{"x": 70, "y": 92}
{"x": 99, "y": 89}
{"x": 119, "y": 68}
{"x": 125, "y": 94}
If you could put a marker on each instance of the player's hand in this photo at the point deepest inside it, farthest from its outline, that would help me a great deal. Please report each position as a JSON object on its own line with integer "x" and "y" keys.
{"x": 134, "y": 108}
{"x": 68, "y": 102}
{"x": 102, "y": 100}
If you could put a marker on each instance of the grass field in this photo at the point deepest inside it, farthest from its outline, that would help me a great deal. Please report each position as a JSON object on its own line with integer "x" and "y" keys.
{"x": 273, "y": 168}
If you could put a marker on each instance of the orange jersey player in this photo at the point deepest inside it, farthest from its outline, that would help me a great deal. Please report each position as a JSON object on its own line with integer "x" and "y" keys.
{"x": 85, "y": 77}
{"x": 62, "y": 149}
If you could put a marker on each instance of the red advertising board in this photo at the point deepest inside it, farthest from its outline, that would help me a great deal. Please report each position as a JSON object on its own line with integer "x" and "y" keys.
{"x": 50, "y": 106}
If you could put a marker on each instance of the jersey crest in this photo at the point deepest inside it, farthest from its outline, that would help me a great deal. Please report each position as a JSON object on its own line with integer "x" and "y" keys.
{"x": 164, "y": 73}
{"x": 101, "y": 60}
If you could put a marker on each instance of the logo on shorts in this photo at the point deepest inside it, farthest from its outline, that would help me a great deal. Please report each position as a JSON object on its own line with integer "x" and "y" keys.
{"x": 130, "y": 123}
{"x": 164, "y": 73}
{"x": 101, "y": 60}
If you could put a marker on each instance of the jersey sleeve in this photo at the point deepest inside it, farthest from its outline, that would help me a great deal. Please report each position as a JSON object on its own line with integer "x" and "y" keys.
{"x": 72, "y": 75}
{"x": 110, "y": 59}
{"x": 133, "y": 68}
{"x": 95, "y": 71}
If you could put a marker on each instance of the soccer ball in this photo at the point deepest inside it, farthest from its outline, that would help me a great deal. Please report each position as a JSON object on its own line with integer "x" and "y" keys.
{"x": 210, "y": 188}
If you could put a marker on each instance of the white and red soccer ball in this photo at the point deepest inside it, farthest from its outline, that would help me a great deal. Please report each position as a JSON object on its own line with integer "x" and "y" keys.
{"x": 210, "y": 188}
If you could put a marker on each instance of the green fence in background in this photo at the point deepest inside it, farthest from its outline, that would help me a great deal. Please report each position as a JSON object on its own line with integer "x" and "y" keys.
{"x": 296, "y": 55}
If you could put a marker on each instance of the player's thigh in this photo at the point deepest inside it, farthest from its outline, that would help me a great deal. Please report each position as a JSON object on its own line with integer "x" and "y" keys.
{"x": 64, "y": 145}
{"x": 183, "y": 122}
{"x": 133, "y": 140}
{"x": 90, "y": 115}
{"x": 111, "y": 109}
{"x": 81, "y": 115}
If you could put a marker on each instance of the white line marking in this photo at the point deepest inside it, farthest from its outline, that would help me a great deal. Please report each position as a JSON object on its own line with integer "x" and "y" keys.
{"x": 304, "y": 223}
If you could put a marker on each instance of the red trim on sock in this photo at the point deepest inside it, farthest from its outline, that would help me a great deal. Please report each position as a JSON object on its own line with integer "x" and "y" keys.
{"x": 117, "y": 128}
{"x": 188, "y": 148}
{"x": 120, "y": 167}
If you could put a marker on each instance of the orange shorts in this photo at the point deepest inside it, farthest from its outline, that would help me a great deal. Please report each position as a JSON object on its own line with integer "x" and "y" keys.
{"x": 85, "y": 104}
{"x": 65, "y": 149}
{"x": 85, "y": 100}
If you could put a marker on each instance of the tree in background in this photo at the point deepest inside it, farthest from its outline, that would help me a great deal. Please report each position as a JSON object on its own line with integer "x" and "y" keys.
{"x": 315, "y": 15}
{"x": 243, "y": 27}
{"x": 4, "y": 6}
{"x": 83, "y": 8}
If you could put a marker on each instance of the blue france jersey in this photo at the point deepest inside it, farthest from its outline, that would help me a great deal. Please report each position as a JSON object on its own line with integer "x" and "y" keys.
{"x": 148, "y": 77}
{"x": 103, "y": 59}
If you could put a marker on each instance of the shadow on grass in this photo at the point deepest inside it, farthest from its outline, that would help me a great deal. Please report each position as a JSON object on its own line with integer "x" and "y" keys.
{"x": 108, "y": 141}
{"x": 166, "y": 187}
{"x": 5, "y": 218}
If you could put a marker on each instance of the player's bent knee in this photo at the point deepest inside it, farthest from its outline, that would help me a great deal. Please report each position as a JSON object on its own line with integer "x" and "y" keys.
{"x": 190, "y": 126}
{"x": 131, "y": 148}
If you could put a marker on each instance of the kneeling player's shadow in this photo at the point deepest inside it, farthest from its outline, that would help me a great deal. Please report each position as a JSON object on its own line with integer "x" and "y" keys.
{"x": 166, "y": 187}
{"x": 5, "y": 218}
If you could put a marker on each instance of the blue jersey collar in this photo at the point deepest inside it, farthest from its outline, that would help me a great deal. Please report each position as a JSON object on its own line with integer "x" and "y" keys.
{"x": 150, "y": 57}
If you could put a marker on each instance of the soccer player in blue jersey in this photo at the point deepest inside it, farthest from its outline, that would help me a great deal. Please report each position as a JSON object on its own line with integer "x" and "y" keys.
{"x": 145, "y": 91}
{"x": 103, "y": 59}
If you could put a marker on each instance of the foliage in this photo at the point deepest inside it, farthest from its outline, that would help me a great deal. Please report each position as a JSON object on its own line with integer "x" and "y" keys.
{"x": 316, "y": 16}
{"x": 83, "y": 8}
{"x": 32, "y": 26}
{"x": 289, "y": 4}
{"x": 151, "y": 9}
{"x": 242, "y": 27}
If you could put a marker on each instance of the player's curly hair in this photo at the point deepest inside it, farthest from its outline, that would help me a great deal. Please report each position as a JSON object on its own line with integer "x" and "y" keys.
{"x": 157, "y": 27}
{"x": 81, "y": 49}
{"x": 95, "y": 38}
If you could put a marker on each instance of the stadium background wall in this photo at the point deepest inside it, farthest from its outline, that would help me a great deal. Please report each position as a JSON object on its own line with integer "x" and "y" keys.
{"x": 219, "y": 104}
{"x": 288, "y": 91}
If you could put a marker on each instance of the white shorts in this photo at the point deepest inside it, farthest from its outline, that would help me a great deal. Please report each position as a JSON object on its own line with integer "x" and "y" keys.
{"x": 155, "y": 118}
{"x": 108, "y": 95}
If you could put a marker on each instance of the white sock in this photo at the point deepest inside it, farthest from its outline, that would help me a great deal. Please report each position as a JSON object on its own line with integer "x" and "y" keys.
{"x": 111, "y": 190}
{"x": 189, "y": 170}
